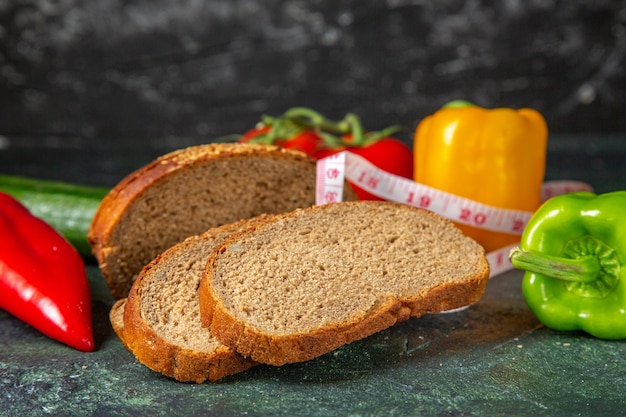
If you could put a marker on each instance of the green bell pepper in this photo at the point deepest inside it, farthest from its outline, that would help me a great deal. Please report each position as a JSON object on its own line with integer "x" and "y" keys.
{"x": 573, "y": 249}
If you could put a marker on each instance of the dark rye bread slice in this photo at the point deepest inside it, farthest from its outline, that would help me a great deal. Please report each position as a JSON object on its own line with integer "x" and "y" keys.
{"x": 189, "y": 191}
{"x": 159, "y": 322}
{"x": 307, "y": 282}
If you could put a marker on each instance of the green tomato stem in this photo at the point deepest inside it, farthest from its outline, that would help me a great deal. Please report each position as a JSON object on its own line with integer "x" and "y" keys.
{"x": 583, "y": 269}
{"x": 372, "y": 137}
{"x": 356, "y": 128}
{"x": 347, "y": 132}
{"x": 311, "y": 119}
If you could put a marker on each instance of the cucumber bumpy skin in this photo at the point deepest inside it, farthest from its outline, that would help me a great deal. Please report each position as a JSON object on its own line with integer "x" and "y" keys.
{"x": 68, "y": 208}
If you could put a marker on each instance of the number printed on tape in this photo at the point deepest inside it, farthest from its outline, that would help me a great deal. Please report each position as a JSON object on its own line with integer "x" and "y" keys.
{"x": 395, "y": 188}
{"x": 330, "y": 179}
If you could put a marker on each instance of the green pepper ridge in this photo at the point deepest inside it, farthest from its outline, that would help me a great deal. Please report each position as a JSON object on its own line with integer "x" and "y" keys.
{"x": 606, "y": 277}
{"x": 590, "y": 267}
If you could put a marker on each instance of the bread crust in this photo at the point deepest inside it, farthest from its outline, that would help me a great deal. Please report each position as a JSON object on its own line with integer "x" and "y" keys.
{"x": 116, "y": 317}
{"x": 108, "y": 217}
{"x": 278, "y": 350}
{"x": 184, "y": 365}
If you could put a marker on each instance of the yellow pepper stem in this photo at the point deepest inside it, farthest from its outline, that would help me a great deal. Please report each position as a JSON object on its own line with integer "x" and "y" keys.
{"x": 455, "y": 104}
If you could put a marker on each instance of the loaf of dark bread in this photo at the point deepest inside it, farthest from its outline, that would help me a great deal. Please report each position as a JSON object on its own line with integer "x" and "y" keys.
{"x": 189, "y": 191}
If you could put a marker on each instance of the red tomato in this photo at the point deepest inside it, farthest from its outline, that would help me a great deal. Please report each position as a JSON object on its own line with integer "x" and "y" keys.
{"x": 387, "y": 153}
{"x": 305, "y": 141}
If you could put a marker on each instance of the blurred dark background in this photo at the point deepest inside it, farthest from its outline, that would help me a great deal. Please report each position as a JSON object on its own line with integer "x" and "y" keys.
{"x": 164, "y": 74}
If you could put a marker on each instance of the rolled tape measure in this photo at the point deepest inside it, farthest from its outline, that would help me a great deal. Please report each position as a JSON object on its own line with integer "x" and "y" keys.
{"x": 332, "y": 172}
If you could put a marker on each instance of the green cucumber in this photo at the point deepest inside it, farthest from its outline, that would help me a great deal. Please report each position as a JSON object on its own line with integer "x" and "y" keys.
{"x": 68, "y": 208}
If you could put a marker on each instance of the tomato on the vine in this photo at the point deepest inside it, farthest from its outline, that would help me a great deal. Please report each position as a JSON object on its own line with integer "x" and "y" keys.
{"x": 310, "y": 132}
{"x": 305, "y": 141}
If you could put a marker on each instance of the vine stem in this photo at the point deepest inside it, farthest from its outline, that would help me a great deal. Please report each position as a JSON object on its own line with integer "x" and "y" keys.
{"x": 347, "y": 132}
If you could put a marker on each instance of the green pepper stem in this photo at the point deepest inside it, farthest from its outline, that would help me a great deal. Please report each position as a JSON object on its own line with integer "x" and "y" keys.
{"x": 583, "y": 269}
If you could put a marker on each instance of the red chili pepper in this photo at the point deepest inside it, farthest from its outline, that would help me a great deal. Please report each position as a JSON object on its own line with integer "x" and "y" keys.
{"x": 308, "y": 131}
{"x": 43, "y": 277}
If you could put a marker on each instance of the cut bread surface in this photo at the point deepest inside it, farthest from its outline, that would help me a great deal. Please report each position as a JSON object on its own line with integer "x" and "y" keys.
{"x": 161, "y": 319}
{"x": 312, "y": 280}
{"x": 186, "y": 192}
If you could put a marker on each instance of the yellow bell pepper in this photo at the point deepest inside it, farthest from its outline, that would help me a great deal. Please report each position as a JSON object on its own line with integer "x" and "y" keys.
{"x": 493, "y": 156}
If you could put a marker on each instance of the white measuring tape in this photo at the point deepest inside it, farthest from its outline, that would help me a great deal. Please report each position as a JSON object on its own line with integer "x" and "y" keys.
{"x": 335, "y": 169}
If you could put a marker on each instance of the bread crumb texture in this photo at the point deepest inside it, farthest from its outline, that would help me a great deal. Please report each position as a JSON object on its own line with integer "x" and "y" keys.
{"x": 190, "y": 201}
{"x": 323, "y": 267}
{"x": 169, "y": 301}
